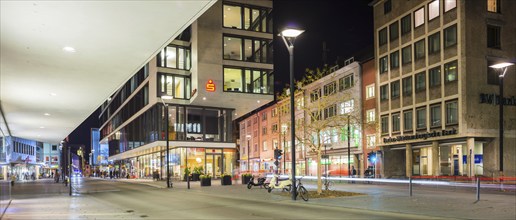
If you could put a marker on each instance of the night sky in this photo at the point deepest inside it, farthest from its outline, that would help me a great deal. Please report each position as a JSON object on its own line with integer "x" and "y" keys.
{"x": 345, "y": 25}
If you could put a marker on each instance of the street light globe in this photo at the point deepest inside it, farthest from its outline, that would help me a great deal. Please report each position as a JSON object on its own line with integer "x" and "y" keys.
{"x": 166, "y": 97}
{"x": 501, "y": 65}
{"x": 289, "y": 32}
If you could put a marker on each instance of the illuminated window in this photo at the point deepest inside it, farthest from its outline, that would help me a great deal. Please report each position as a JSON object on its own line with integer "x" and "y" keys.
{"x": 370, "y": 114}
{"x": 450, "y": 71}
{"x": 449, "y": 5}
{"x": 247, "y": 18}
{"x": 370, "y": 91}
{"x": 346, "y": 107}
{"x": 493, "y": 6}
{"x": 371, "y": 141}
{"x": 265, "y": 146}
{"x": 419, "y": 17}
{"x": 433, "y": 10}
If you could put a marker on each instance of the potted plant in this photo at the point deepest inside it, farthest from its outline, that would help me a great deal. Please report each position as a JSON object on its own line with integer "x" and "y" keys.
{"x": 225, "y": 180}
{"x": 205, "y": 180}
{"x": 246, "y": 177}
{"x": 187, "y": 173}
{"x": 197, "y": 171}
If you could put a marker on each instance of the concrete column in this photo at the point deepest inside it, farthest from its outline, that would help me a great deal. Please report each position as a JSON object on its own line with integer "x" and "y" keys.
{"x": 4, "y": 172}
{"x": 37, "y": 171}
{"x": 408, "y": 160}
{"x": 435, "y": 159}
{"x": 470, "y": 142}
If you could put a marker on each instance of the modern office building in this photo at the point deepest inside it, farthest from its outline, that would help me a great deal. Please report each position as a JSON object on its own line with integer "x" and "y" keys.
{"x": 218, "y": 68}
{"x": 338, "y": 93}
{"x": 438, "y": 95}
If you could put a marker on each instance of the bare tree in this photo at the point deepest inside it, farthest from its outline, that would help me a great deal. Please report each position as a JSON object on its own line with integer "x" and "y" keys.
{"x": 327, "y": 109}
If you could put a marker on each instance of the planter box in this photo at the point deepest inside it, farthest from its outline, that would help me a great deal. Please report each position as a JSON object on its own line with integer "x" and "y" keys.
{"x": 226, "y": 180}
{"x": 195, "y": 177}
{"x": 206, "y": 182}
{"x": 246, "y": 179}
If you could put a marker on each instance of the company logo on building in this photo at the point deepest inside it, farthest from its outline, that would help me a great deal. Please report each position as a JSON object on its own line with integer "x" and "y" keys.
{"x": 210, "y": 86}
{"x": 495, "y": 99}
{"x": 423, "y": 136}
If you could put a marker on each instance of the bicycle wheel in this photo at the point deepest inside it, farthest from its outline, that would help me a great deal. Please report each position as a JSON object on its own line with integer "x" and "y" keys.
{"x": 303, "y": 193}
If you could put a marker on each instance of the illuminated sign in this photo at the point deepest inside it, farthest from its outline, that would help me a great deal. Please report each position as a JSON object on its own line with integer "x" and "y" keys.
{"x": 210, "y": 86}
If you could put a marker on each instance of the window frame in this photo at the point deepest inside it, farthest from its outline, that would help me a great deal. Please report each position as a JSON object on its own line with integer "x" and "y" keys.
{"x": 397, "y": 53}
{"x": 405, "y": 114}
{"x": 396, "y": 125}
{"x": 431, "y": 77}
{"x": 384, "y": 64}
{"x": 432, "y": 39}
{"x": 456, "y": 121}
{"x": 368, "y": 95}
{"x": 370, "y": 118}
{"x": 423, "y": 20}
{"x": 497, "y": 37}
{"x": 403, "y": 58}
{"x": 438, "y": 9}
{"x": 384, "y": 92}
{"x": 446, "y": 9}
{"x": 382, "y": 36}
{"x": 419, "y": 88}
{"x": 384, "y": 124}
{"x": 446, "y": 71}
{"x": 497, "y": 9}
{"x": 403, "y": 23}
{"x": 395, "y": 89}
{"x": 416, "y": 45}
{"x": 396, "y": 32}
{"x": 422, "y": 109}
{"x": 435, "y": 122}
{"x": 407, "y": 92}
{"x": 446, "y": 34}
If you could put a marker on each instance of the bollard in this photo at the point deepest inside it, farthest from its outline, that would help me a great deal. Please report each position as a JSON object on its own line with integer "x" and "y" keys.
{"x": 478, "y": 189}
{"x": 410, "y": 186}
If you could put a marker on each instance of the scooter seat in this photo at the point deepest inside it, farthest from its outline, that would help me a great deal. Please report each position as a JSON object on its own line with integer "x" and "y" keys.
{"x": 283, "y": 179}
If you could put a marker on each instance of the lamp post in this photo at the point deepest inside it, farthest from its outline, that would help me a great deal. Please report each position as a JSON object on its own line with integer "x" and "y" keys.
{"x": 167, "y": 97}
{"x": 502, "y": 68}
{"x": 289, "y": 37}
{"x": 349, "y": 150}
{"x": 248, "y": 137}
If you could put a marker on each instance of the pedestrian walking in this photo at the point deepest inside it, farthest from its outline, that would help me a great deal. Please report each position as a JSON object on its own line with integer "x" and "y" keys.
{"x": 353, "y": 173}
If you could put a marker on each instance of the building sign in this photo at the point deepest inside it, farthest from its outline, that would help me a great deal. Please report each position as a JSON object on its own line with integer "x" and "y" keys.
{"x": 423, "y": 136}
{"x": 210, "y": 86}
{"x": 494, "y": 99}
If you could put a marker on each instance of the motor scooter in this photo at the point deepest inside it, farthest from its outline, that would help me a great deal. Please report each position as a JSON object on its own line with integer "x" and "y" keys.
{"x": 284, "y": 184}
{"x": 261, "y": 182}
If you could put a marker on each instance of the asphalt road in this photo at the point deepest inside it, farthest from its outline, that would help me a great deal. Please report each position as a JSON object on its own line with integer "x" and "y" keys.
{"x": 107, "y": 199}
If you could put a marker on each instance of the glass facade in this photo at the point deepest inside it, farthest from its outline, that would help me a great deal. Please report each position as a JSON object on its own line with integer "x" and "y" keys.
{"x": 177, "y": 86}
{"x": 247, "y": 17}
{"x": 175, "y": 57}
{"x": 238, "y": 79}
{"x": 247, "y": 49}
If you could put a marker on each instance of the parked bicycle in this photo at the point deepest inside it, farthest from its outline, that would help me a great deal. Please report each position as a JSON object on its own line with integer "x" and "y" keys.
{"x": 301, "y": 191}
{"x": 327, "y": 184}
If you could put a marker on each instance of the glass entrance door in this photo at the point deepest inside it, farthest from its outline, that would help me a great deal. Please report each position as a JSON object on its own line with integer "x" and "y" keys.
{"x": 214, "y": 165}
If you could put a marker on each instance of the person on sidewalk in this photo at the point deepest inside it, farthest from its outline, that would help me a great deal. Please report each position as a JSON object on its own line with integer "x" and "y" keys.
{"x": 353, "y": 173}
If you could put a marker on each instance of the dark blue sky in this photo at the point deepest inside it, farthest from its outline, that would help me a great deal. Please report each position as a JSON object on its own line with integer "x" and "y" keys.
{"x": 345, "y": 25}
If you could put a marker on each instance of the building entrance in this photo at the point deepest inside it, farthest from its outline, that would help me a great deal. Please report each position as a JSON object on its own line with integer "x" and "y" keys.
{"x": 214, "y": 165}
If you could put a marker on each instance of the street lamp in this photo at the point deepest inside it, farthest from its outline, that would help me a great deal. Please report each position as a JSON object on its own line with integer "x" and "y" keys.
{"x": 248, "y": 137}
{"x": 502, "y": 68}
{"x": 289, "y": 37}
{"x": 167, "y": 97}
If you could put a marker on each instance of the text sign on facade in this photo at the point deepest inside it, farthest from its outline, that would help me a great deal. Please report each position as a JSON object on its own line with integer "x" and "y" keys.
{"x": 210, "y": 86}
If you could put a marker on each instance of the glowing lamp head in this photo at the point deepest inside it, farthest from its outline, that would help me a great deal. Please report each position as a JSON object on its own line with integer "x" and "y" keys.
{"x": 291, "y": 32}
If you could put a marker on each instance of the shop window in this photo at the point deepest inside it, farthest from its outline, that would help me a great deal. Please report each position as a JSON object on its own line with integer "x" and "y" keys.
{"x": 406, "y": 55}
{"x": 406, "y": 26}
{"x": 407, "y": 86}
{"x": 419, "y": 49}
{"x": 434, "y": 76}
{"x": 435, "y": 116}
{"x": 407, "y": 120}
{"x": 434, "y": 43}
{"x": 419, "y": 17}
{"x": 451, "y": 71}
{"x": 433, "y": 10}
{"x": 450, "y": 36}
{"x": 395, "y": 60}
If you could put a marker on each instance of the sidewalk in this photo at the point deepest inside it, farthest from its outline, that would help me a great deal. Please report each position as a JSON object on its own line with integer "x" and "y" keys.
{"x": 441, "y": 202}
